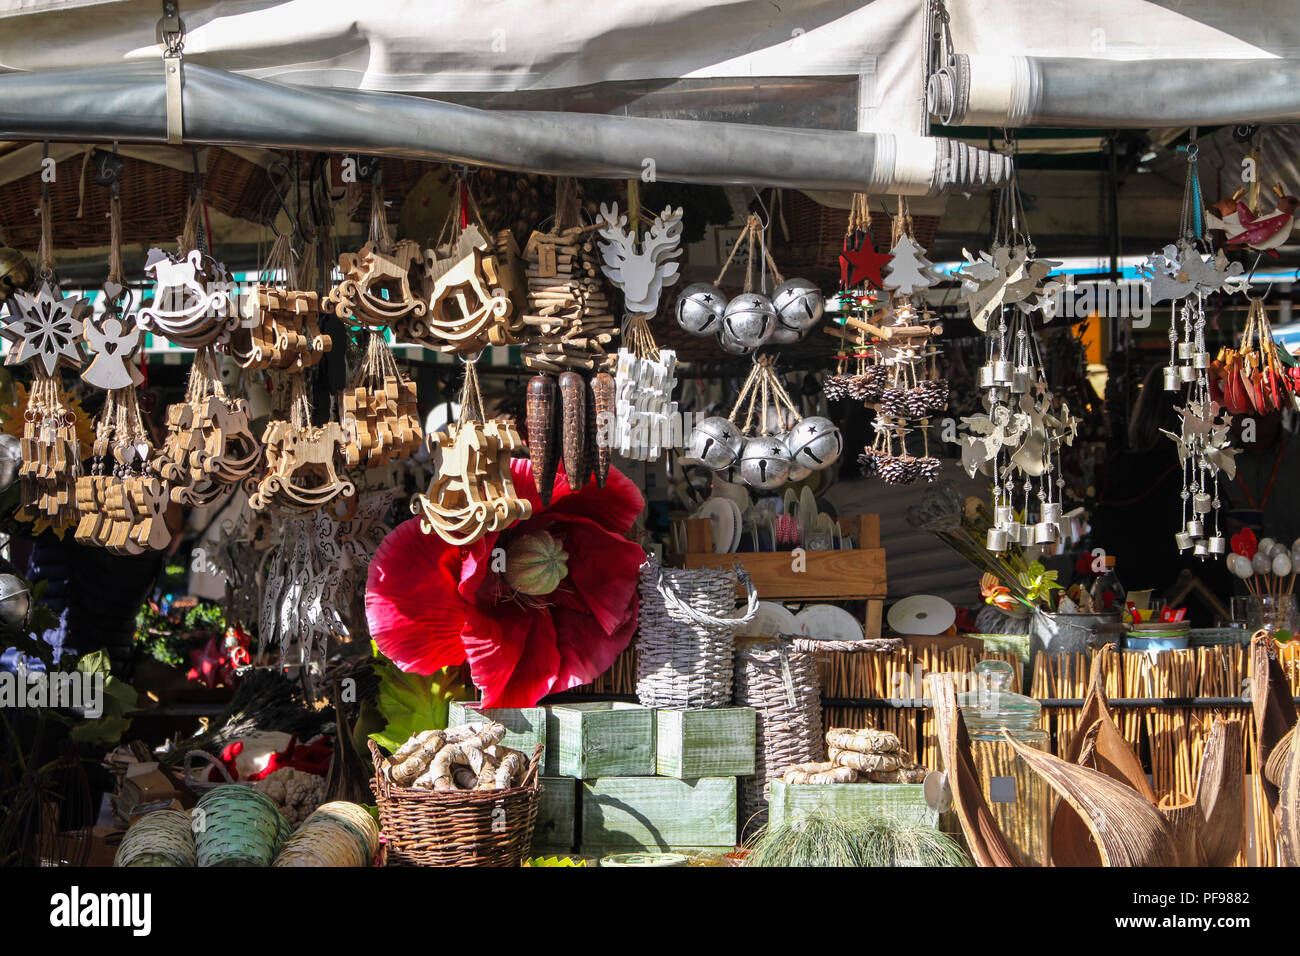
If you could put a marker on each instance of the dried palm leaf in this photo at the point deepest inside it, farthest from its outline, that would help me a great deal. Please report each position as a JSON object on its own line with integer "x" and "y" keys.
{"x": 1288, "y": 812}
{"x": 1098, "y": 745}
{"x": 987, "y": 845}
{"x": 1185, "y": 823}
{"x": 1220, "y": 793}
{"x": 1275, "y": 713}
{"x": 1276, "y": 766}
{"x": 1129, "y": 831}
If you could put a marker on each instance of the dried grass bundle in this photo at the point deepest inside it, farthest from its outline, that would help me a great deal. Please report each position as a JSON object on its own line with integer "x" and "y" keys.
{"x": 824, "y": 840}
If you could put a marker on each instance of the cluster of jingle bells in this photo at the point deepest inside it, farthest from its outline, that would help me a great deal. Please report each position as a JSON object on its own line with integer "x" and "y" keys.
{"x": 765, "y": 459}
{"x": 1184, "y": 273}
{"x": 751, "y": 319}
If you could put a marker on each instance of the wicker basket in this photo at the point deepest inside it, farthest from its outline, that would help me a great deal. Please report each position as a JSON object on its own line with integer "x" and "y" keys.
{"x": 457, "y": 828}
{"x": 816, "y": 232}
{"x": 778, "y": 677}
{"x": 686, "y": 640}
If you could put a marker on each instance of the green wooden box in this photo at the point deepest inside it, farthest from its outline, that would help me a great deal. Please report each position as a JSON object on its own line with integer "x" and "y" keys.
{"x": 557, "y": 816}
{"x": 717, "y": 742}
{"x": 525, "y": 726}
{"x": 647, "y": 813}
{"x": 600, "y": 739}
{"x": 903, "y": 800}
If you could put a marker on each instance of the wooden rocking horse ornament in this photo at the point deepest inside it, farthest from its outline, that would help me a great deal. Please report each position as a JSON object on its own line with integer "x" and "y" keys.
{"x": 301, "y": 475}
{"x": 376, "y": 290}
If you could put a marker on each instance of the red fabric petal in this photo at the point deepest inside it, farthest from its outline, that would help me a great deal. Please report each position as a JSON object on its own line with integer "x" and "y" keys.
{"x": 614, "y": 507}
{"x": 477, "y": 560}
{"x": 412, "y": 604}
{"x": 586, "y": 650}
{"x": 604, "y": 587}
{"x": 512, "y": 653}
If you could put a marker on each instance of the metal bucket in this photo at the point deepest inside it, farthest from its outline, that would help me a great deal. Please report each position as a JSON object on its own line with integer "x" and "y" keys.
{"x": 1072, "y": 633}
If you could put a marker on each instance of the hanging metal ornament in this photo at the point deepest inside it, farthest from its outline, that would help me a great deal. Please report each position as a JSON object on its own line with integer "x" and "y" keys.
{"x": 45, "y": 333}
{"x": 1184, "y": 273}
{"x": 753, "y": 318}
{"x": 765, "y": 437}
{"x": 1018, "y": 439}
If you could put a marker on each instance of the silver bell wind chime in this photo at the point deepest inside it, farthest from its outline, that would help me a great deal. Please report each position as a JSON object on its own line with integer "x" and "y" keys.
{"x": 1183, "y": 274}
{"x": 1018, "y": 440}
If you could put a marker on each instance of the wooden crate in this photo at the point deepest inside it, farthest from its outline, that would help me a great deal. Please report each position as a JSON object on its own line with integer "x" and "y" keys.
{"x": 647, "y": 813}
{"x": 718, "y": 742}
{"x": 557, "y": 817}
{"x": 903, "y": 800}
{"x": 600, "y": 739}
{"x": 857, "y": 575}
{"x": 525, "y": 726}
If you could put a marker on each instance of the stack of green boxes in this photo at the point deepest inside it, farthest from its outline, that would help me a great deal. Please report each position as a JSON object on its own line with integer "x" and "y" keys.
{"x": 620, "y": 777}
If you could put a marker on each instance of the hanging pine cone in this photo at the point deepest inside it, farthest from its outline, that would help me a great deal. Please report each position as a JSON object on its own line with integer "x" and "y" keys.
{"x": 835, "y": 387}
{"x": 898, "y": 471}
{"x": 935, "y": 392}
{"x": 927, "y": 469}
{"x": 877, "y": 377}
{"x": 916, "y": 402}
{"x": 893, "y": 403}
{"x": 869, "y": 462}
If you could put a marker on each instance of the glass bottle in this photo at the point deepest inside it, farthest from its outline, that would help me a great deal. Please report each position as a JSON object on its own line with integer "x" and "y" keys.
{"x": 1020, "y": 800}
{"x": 1107, "y": 593}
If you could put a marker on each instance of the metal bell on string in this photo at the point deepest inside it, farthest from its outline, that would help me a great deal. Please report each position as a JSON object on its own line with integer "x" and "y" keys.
{"x": 765, "y": 462}
{"x": 799, "y": 306}
{"x": 700, "y": 308}
{"x": 748, "y": 319}
{"x": 815, "y": 442}
{"x": 716, "y": 443}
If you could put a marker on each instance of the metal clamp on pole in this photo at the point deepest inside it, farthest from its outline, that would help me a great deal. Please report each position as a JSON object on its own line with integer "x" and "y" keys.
{"x": 171, "y": 37}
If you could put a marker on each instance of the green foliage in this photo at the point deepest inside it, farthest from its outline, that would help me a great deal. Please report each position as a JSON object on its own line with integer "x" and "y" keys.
{"x": 826, "y": 840}
{"x": 411, "y": 703}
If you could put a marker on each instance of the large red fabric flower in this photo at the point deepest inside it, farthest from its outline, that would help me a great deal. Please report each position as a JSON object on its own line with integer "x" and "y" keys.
{"x": 431, "y": 605}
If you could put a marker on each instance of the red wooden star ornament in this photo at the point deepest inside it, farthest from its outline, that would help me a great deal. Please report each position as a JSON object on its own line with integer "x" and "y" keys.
{"x": 860, "y": 262}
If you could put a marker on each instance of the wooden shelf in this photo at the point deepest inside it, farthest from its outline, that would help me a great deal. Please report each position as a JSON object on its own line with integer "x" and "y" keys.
{"x": 856, "y": 575}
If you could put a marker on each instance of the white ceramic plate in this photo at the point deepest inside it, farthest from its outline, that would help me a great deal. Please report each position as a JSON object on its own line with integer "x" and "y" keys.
{"x": 723, "y": 518}
{"x": 738, "y": 524}
{"x": 807, "y": 515}
{"x": 732, "y": 492}
{"x": 770, "y": 620}
{"x": 826, "y": 622}
{"x": 924, "y": 614}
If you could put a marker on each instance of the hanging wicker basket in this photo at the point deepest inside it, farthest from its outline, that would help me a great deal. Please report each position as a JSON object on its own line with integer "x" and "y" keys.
{"x": 457, "y": 828}
{"x": 686, "y": 637}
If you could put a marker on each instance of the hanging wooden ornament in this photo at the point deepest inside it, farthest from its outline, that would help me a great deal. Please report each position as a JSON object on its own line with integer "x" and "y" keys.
{"x": 379, "y": 282}
{"x": 645, "y": 414}
{"x": 469, "y": 308}
{"x": 301, "y": 474}
{"x": 45, "y": 334}
{"x": 765, "y": 438}
{"x": 191, "y": 301}
{"x": 380, "y": 413}
{"x": 472, "y": 493}
{"x": 282, "y": 327}
{"x": 569, "y": 322}
{"x": 210, "y": 446}
{"x": 123, "y": 505}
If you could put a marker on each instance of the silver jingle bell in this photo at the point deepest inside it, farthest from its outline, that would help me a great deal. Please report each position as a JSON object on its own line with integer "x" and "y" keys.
{"x": 1196, "y": 527}
{"x": 780, "y": 335}
{"x": 799, "y": 305}
{"x": 1200, "y": 549}
{"x": 1186, "y": 373}
{"x": 765, "y": 462}
{"x": 700, "y": 308}
{"x": 1186, "y": 350}
{"x": 814, "y": 442}
{"x": 1003, "y": 372}
{"x": 1045, "y": 533}
{"x": 1218, "y": 544}
{"x": 1003, "y": 515}
{"x": 984, "y": 376}
{"x": 1201, "y": 503}
{"x": 798, "y": 473}
{"x": 15, "y": 603}
{"x": 1051, "y": 511}
{"x": 1201, "y": 360}
{"x": 748, "y": 319}
{"x": 997, "y": 540}
{"x": 1172, "y": 379}
{"x": 1014, "y": 532}
{"x": 731, "y": 346}
{"x": 1020, "y": 381}
{"x": 716, "y": 443}
{"x": 1183, "y": 540}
